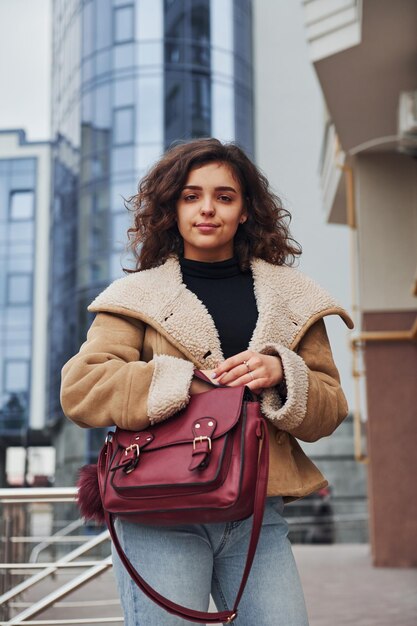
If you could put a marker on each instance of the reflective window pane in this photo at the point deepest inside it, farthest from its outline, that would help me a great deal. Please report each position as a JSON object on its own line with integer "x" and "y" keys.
{"x": 16, "y": 376}
{"x": 18, "y": 317}
{"x": 103, "y": 62}
{"x": 21, "y": 205}
{"x": 19, "y": 288}
{"x": 21, "y": 231}
{"x": 146, "y": 155}
{"x": 200, "y": 106}
{"x": 124, "y": 92}
{"x": 123, "y": 126}
{"x": 116, "y": 265}
{"x": 23, "y": 167}
{"x": 150, "y": 107}
{"x": 200, "y": 32}
{"x": 121, "y": 222}
{"x": 123, "y": 24}
{"x": 103, "y": 24}
{"x": 123, "y": 56}
{"x": 122, "y": 160}
{"x": 88, "y": 24}
{"x": 102, "y": 108}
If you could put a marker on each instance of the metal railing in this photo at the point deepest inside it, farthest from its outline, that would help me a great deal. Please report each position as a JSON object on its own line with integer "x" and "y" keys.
{"x": 22, "y": 572}
{"x": 18, "y": 563}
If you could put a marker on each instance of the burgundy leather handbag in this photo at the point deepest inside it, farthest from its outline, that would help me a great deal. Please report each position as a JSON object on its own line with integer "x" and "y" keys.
{"x": 208, "y": 463}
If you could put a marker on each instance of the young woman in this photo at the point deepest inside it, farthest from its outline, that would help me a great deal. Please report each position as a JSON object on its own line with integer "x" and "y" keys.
{"x": 213, "y": 289}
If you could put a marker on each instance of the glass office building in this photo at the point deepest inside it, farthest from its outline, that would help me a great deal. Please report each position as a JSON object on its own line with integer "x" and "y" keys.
{"x": 17, "y": 244}
{"x": 24, "y": 212}
{"x": 129, "y": 78}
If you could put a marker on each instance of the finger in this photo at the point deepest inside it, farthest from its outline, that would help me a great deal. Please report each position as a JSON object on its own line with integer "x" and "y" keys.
{"x": 236, "y": 373}
{"x": 206, "y": 373}
{"x": 254, "y": 384}
{"x": 232, "y": 362}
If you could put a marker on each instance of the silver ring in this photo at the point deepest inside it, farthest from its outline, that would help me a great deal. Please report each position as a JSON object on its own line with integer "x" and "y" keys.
{"x": 251, "y": 375}
{"x": 247, "y": 365}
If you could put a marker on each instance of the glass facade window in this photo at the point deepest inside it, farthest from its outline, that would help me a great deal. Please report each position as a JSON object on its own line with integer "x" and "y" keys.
{"x": 124, "y": 92}
{"x": 17, "y": 245}
{"x": 122, "y": 160}
{"x": 16, "y": 376}
{"x": 123, "y": 56}
{"x": 88, "y": 28}
{"x": 103, "y": 19}
{"x": 123, "y": 126}
{"x": 19, "y": 288}
{"x": 21, "y": 204}
{"x": 187, "y": 70}
{"x": 121, "y": 222}
{"x": 123, "y": 24}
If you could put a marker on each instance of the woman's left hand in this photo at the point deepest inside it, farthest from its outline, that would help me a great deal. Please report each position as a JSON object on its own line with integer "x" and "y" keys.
{"x": 253, "y": 369}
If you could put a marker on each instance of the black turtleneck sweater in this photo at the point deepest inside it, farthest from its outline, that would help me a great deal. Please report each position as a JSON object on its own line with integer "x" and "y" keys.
{"x": 228, "y": 295}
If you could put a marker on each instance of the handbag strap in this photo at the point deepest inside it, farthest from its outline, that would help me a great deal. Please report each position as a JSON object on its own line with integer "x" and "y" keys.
{"x": 259, "y": 505}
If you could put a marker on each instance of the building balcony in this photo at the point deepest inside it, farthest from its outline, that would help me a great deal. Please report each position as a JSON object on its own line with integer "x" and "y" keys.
{"x": 332, "y": 26}
{"x": 364, "y": 55}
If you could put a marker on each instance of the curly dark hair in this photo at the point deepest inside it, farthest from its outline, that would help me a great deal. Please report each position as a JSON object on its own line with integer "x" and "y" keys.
{"x": 154, "y": 235}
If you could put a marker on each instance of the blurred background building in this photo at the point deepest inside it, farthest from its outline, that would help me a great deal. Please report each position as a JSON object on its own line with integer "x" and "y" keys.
{"x": 128, "y": 79}
{"x": 364, "y": 54}
{"x": 24, "y": 238}
{"x": 302, "y": 86}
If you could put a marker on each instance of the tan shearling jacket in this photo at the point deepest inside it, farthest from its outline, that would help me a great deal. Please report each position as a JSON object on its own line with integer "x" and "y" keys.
{"x": 150, "y": 332}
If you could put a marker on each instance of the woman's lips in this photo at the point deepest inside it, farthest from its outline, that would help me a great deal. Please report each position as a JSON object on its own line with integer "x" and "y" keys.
{"x": 206, "y": 228}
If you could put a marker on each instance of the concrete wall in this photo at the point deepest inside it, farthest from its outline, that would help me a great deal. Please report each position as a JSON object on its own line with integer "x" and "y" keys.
{"x": 386, "y": 200}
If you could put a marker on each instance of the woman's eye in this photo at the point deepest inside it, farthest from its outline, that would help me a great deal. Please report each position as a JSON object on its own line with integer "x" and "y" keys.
{"x": 190, "y": 197}
{"x": 225, "y": 198}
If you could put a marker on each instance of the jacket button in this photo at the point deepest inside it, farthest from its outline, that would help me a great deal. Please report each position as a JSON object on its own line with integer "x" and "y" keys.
{"x": 280, "y": 437}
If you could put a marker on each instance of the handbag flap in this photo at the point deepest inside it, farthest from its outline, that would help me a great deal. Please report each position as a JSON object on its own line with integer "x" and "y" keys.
{"x": 223, "y": 404}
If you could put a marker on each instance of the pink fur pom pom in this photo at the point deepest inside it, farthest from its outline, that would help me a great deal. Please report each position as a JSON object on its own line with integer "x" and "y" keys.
{"x": 89, "y": 499}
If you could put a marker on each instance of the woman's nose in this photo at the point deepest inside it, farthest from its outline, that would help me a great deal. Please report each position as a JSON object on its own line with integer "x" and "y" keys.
{"x": 207, "y": 207}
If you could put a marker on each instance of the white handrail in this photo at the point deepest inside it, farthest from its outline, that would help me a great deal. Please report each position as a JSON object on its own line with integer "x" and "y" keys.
{"x": 94, "y": 568}
{"x": 60, "y": 533}
{"x": 43, "y": 565}
{"x": 11, "y": 495}
{"x": 32, "y": 580}
{"x": 61, "y": 592}
{"x": 59, "y": 622}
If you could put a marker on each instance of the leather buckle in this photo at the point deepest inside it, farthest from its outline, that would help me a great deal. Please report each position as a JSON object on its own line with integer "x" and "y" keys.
{"x": 132, "y": 463}
{"x": 132, "y": 447}
{"x": 201, "y": 439}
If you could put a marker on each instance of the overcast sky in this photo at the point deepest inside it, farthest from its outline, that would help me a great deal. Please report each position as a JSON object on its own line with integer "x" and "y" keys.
{"x": 25, "y": 50}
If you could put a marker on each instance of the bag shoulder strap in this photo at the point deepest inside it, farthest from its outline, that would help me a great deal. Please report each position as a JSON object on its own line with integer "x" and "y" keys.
{"x": 199, "y": 616}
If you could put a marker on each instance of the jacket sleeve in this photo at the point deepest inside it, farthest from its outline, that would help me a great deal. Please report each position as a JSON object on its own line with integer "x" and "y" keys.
{"x": 313, "y": 404}
{"x": 107, "y": 384}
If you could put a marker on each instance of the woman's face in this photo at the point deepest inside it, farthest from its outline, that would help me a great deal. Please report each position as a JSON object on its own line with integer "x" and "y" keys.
{"x": 209, "y": 211}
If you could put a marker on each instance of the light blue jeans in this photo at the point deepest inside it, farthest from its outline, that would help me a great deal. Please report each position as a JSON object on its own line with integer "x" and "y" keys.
{"x": 187, "y": 563}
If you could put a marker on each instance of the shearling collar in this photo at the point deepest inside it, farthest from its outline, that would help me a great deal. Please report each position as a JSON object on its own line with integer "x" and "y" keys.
{"x": 288, "y": 304}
